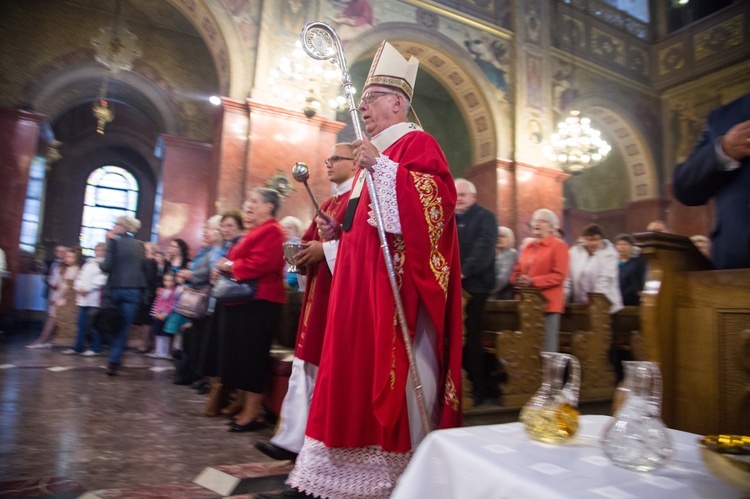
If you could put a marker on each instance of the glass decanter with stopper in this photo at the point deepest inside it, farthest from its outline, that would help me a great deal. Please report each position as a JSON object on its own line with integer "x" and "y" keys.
{"x": 636, "y": 438}
{"x": 551, "y": 414}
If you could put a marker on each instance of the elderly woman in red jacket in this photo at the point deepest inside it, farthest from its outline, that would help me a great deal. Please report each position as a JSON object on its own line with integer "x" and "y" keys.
{"x": 543, "y": 264}
{"x": 248, "y": 326}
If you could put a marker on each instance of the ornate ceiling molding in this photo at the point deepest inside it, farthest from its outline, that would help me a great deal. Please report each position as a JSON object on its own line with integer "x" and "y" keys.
{"x": 213, "y": 35}
{"x": 73, "y": 85}
{"x": 637, "y": 158}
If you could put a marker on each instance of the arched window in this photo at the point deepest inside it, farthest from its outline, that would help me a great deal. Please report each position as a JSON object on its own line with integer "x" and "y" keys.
{"x": 111, "y": 192}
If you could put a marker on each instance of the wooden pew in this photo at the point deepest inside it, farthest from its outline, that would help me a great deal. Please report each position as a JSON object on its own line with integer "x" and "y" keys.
{"x": 696, "y": 325}
{"x": 626, "y": 326}
{"x": 517, "y": 328}
{"x": 590, "y": 331}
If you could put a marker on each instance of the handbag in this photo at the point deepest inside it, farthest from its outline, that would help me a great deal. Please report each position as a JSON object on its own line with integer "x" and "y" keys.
{"x": 193, "y": 303}
{"x": 227, "y": 289}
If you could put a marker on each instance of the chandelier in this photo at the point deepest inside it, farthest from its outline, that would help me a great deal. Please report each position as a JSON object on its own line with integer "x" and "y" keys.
{"x": 577, "y": 145}
{"x": 116, "y": 50}
{"x": 299, "y": 81}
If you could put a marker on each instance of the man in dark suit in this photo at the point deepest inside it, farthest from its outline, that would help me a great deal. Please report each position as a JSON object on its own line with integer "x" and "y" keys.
{"x": 124, "y": 262}
{"x": 477, "y": 234}
{"x": 719, "y": 167}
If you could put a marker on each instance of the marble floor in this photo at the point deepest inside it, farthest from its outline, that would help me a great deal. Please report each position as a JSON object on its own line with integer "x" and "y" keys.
{"x": 67, "y": 428}
{"x": 61, "y": 416}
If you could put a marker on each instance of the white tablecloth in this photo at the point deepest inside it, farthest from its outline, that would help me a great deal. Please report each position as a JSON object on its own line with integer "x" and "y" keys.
{"x": 500, "y": 461}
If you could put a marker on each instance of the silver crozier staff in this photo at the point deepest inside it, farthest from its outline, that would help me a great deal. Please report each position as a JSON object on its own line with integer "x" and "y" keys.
{"x": 321, "y": 42}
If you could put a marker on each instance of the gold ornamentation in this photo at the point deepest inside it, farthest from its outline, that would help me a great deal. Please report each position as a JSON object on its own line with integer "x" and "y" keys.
{"x": 389, "y": 81}
{"x": 103, "y": 114}
{"x": 671, "y": 59}
{"x": 451, "y": 395}
{"x": 435, "y": 218}
{"x": 399, "y": 256}
{"x": 280, "y": 183}
{"x": 310, "y": 299}
{"x": 727, "y": 444}
{"x": 718, "y": 39}
{"x": 573, "y": 33}
{"x": 607, "y": 46}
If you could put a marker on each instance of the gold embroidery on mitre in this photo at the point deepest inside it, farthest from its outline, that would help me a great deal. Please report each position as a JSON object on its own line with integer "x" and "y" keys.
{"x": 391, "y": 69}
{"x": 435, "y": 218}
{"x": 451, "y": 395}
{"x": 399, "y": 255}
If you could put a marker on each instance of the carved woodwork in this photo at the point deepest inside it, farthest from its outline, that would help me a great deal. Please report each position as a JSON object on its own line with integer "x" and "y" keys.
{"x": 695, "y": 323}
{"x": 626, "y": 326}
{"x": 591, "y": 345}
{"x": 520, "y": 335}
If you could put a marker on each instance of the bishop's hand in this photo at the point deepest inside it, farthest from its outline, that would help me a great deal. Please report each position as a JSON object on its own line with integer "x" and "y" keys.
{"x": 365, "y": 154}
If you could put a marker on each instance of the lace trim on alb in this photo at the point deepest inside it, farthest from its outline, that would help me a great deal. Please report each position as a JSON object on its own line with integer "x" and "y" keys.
{"x": 384, "y": 176}
{"x": 347, "y": 473}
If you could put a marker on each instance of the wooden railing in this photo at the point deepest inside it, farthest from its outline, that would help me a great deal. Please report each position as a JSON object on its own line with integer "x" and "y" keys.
{"x": 515, "y": 329}
{"x": 693, "y": 321}
{"x": 696, "y": 325}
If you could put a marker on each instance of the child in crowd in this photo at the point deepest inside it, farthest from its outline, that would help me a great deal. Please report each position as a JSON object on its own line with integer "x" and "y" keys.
{"x": 161, "y": 263}
{"x": 88, "y": 287}
{"x": 164, "y": 303}
{"x": 175, "y": 322}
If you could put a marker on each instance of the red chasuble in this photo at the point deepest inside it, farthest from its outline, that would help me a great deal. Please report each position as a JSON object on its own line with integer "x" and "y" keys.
{"x": 359, "y": 397}
{"x": 312, "y": 321}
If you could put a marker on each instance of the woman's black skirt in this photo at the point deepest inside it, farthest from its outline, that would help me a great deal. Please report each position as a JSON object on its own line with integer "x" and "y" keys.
{"x": 245, "y": 334}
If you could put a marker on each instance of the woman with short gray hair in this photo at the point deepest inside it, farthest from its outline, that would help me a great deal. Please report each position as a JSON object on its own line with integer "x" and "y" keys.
{"x": 247, "y": 326}
{"x": 543, "y": 264}
{"x": 505, "y": 260}
{"x": 188, "y": 360}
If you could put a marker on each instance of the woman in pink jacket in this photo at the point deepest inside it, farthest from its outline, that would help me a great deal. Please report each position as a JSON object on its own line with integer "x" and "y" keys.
{"x": 543, "y": 264}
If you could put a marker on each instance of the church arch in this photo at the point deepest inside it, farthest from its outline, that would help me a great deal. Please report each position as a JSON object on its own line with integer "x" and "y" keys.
{"x": 623, "y": 134}
{"x": 226, "y": 51}
{"x": 448, "y": 64}
{"x": 61, "y": 91}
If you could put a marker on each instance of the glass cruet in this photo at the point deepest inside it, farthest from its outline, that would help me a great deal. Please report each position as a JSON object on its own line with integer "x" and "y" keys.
{"x": 636, "y": 438}
{"x": 551, "y": 414}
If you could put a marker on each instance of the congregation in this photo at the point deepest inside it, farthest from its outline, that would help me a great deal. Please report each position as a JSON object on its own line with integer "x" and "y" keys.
{"x": 215, "y": 314}
{"x": 78, "y": 286}
{"x": 211, "y": 349}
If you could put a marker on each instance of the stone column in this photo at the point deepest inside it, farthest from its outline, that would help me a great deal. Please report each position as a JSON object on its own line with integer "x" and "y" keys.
{"x": 279, "y": 138}
{"x": 230, "y": 154}
{"x": 19, "y": 138}
{"x": 187, "y": 198}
